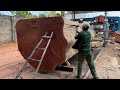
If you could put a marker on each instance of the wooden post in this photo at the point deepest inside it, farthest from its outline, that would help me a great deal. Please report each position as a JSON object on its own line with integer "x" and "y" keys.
{"x": 63, "y": 13}
{"x": 12, "y": 33}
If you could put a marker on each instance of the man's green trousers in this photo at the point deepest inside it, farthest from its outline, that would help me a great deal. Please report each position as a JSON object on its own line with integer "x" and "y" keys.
{"x": 89, "y": 59}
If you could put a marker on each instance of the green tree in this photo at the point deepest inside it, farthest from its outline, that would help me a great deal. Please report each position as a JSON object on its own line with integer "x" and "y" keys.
{"x": 42, "y": 15}
{"x": 23, "y": 14}
{"x": 57, "y": 14}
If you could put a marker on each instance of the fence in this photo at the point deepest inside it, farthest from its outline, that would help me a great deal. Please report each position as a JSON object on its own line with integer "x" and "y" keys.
{"x": 7, "y": 29}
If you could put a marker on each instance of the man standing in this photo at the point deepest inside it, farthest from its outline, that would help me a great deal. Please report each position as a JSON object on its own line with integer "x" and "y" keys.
{"x": 84, "y": 47}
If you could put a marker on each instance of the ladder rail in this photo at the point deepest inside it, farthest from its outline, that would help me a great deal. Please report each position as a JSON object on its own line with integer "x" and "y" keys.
{"x": 40, "y": 60}
{"x": 39, "y": 64}
{"x": 19, "y": 73}
{"x": 36, "y": 46}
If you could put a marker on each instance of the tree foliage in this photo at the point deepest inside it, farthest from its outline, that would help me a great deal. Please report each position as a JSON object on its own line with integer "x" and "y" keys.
{"x": 23, "y": 14}
{"x": 42, "y": 15}
{"x": 57, "y": 14}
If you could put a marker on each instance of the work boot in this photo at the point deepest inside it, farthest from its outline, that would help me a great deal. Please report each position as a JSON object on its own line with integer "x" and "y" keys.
{"x": 96, "y": 77}
{"x": 103, "y": 45}
{"x": 78, "y": 77}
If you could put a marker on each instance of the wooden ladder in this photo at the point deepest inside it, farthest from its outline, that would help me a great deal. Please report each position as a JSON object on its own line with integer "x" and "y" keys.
{"x": 39, "y": 60}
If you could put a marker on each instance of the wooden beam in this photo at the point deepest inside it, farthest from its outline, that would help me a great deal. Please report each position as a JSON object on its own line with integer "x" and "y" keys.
{"x": 63, "y": 13}
{"x": 64, "y": 68}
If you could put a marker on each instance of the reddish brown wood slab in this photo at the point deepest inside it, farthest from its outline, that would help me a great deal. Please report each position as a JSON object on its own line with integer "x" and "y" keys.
{"x": 30, "y": 31}
{"x": 117, "y": 38}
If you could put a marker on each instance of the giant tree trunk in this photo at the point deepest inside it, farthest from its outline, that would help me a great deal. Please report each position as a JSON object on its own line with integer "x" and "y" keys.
{"x": 69, "y": 34}
{"x": 30, "y": 31}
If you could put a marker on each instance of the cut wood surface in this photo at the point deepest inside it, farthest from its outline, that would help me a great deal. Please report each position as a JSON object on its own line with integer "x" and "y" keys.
{"x": 116, "y": 35}
{"x": 30, "y": 31}
{"x": 117, "y": 38}
{"x": 69, "y": 34}
{"x": 96, "y": 44}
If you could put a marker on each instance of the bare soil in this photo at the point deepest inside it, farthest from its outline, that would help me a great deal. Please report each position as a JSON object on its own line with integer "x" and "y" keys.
{"x": 108, "y": 62}
{"x": 11, "y": 62}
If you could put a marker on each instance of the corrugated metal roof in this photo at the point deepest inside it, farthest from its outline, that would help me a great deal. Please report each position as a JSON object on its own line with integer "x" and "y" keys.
{"x": 78, "y": 12}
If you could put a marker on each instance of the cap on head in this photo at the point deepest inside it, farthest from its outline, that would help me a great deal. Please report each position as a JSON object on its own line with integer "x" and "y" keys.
{"x": 85, "y": 24}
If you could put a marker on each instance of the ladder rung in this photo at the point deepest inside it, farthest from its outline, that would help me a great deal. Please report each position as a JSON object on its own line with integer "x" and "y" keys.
{"x": 41, "y": 48}
{"x": 34, "y": 59}
{"x": 46, "y": 36}
{"x": 38, "y": 60}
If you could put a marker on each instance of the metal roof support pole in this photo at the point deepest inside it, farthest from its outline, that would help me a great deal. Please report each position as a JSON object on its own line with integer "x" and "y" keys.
{"x": 105, "y": 14}
{"x": 119, "y": 24}
{"x": 74, "y": 15}
{"x": 63, "y": 13}
{"x": 106, "y": 30}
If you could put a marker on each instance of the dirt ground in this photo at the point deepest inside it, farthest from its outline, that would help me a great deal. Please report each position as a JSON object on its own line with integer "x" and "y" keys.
{"x": 11, "y": 61}
{"x": 108, "y": 62}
